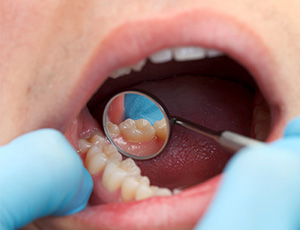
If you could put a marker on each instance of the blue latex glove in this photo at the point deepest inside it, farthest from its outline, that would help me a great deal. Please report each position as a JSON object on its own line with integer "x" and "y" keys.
{"x": 40, "y": 174}
{"x": 261, "y": 188}
{"x": 138, "y": 107}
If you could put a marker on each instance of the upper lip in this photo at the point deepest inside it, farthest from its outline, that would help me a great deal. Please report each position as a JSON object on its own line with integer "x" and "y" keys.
{"x": 133, "y": 41}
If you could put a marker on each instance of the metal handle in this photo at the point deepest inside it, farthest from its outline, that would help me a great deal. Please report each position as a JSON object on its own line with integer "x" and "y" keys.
{"x": 234, "y": 142}
{"x": 230, "y": 141}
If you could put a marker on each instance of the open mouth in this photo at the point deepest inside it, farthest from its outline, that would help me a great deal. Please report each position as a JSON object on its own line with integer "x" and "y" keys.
{"x": 196, "y": 82}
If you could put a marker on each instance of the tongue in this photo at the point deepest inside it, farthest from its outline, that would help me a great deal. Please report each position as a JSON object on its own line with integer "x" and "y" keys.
{"x": 191, "y": 158}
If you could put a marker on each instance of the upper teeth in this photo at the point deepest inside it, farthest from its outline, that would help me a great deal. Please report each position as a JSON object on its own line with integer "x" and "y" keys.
{"x": 178, "y": 54}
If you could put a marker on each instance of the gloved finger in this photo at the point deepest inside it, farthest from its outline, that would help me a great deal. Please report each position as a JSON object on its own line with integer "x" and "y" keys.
{"x": 260, "y": 190}
{"x": 41, "y": 174}
{"x": 261, "y": 187}
{"x": 293, "y": 128}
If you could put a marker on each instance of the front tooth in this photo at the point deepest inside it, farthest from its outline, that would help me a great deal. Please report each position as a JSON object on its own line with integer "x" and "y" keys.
{"x": 188, "y": 53}
{"x": 112, "y": 177}
{"x": 213, "y": 53}
{"x": 138, "y": 66}
{"x": 120, "y": 72}
{"x": 161, "y": 56}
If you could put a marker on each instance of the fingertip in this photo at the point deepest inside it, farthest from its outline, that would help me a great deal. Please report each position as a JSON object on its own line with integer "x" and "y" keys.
{"x": 293, "y": 128}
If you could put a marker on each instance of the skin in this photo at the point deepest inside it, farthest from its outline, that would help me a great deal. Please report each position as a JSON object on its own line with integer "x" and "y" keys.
{"x": 47, "y": 45}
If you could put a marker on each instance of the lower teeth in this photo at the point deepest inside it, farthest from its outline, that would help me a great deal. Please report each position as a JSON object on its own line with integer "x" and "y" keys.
{"x": 117, "y": 174}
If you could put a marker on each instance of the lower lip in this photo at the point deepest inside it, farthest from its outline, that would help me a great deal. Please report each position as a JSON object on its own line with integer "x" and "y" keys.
{"x": 181, "y": 211}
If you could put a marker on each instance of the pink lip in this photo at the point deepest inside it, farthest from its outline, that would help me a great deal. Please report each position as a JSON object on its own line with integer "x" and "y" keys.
{"x": 133, "y": 41}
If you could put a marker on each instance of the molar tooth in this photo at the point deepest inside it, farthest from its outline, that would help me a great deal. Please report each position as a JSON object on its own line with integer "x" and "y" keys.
{"x": 84, "y": 146}
{"x": 188, "y": 53}
{"x": 112, "y": 177}
{"x": 128, "y": 188}
{"x": 161, "y": 128}
{"x": 93, "y": 151}
{"x": 161, "y": 56}
{"x": 211, "y": 53}
{"x": 129, "y": 166}
{"x": 113, "y": 129}
{"x": 163, "y": 192}
{"x": 97, "y": 163}
{"x": 176, "y": 191}
{"x": 143, "y": 192}
{"x": 139, "y": 130}
{"x": 98, "y": 140}
{"x": 261, "y": 130}
{"x": 138, "y": 66}
{"x": 112, "y": 154}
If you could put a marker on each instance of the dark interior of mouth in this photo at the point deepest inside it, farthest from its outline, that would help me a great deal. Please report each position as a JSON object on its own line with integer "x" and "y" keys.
{"x": 215, "y": 92}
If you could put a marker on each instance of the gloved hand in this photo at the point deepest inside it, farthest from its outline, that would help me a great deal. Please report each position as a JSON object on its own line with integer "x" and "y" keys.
{"x": 260, "y": 188}
{"x": 40, "y": 174}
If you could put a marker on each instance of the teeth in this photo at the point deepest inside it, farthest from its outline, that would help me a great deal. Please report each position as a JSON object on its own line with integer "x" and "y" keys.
{"x": 188, "y": 53}
{"x": 176, "y": 191}
{"x": 129, "y": 166}
{"x": 213, "y": 53}
{"x": 126, "y": 70}
{"x": 161, "y": 191}
{"x": 112, "y": 177}
{"x": 90, "y": 154}
{"x": 113, "y": 129}
{"x": 262, "y": 119}
{"x": 179, "y": 54}
{"x": 139, "y": 130}
{"x": 120, "y": 72}
{"x": 138, "y": 66}
{"x": 143, "y": 192}
{"x": 129, "y": 187}
{"x": 83, "y": 146}
{"x": 117, "y": 173}
{"x": 162, "y": 56}
{"x": 161, "y": 128}
{"x": 96, "y": 163}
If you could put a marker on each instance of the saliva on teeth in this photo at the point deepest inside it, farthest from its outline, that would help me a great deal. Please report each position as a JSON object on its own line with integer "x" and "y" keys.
{"x": 117, "y": 174}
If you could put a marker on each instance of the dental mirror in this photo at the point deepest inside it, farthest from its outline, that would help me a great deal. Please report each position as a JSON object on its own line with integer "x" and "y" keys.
{"x": 140, "y": 128}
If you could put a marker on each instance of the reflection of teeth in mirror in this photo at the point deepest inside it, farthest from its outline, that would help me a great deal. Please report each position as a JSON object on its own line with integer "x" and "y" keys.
{"x": 262, "y": 120}
{"x": 161, "y": 128}
{"x": 113, "y": 129}
{"x": 117, "y": 173}
{"x": 186, "y": 53}
{"x": 139, "y": 130}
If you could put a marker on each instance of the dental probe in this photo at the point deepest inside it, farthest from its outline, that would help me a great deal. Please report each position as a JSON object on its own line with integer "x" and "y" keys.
{"x": 230, "y": 141}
